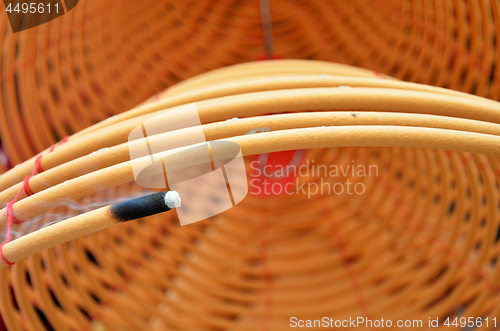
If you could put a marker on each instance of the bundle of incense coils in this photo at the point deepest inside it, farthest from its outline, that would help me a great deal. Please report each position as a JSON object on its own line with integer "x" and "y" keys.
{"x": 101, "y": 231}
{"x": 419, "y": 137}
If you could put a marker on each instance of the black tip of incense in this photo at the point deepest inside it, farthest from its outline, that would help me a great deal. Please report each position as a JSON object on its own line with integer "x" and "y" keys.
{"x": 145, "y": 206}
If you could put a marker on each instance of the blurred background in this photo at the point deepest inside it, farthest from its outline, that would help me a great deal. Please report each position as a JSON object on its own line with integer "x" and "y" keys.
{"x": 104, "y": 57}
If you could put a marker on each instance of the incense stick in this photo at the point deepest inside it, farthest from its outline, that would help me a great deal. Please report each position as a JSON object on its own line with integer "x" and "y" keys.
{"x": 86, "y": 224}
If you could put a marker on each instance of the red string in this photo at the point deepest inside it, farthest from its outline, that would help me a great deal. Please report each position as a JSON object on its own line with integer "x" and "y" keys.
{"x": 10, "y": 214}
{"x": 38, "y": 168}
{"x": 3, "y": 256}
{"x": 11, "y": 219}
{"x": 379, "y": 75}
{"x": 59, "y": 143}
{"x": 263, "y": 57}
{"x": 26, "y": 186}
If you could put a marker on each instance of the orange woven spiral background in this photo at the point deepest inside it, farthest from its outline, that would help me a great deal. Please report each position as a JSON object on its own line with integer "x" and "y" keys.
{"x": 106, "y": 56}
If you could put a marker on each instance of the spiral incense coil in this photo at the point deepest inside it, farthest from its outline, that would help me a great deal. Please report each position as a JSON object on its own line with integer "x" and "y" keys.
{"x": 419, "y": 242}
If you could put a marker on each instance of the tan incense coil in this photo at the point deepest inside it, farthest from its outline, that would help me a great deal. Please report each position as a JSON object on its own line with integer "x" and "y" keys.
{"x": 419, "y": 242}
